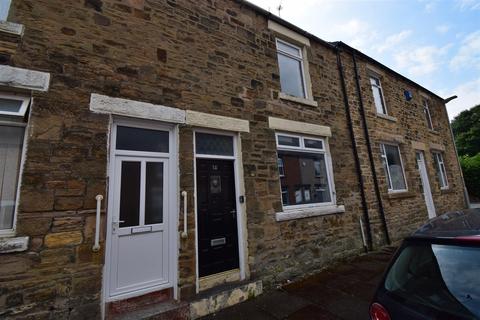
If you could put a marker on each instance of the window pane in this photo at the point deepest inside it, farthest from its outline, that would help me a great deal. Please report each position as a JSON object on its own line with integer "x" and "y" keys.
{"x": 4, "y": 6}
{"x": 288, "y": 141}
{"x": 428, "y": 116}
{"x": 288, "y": 49}
{"x": 139, "y": 139}
{"x": 281, "y": 168}
{"x": 130, "y": 194}
{"x": 305, "y": 179}
{"x": 291, "y": 79}
{"x": 11, "y": 142}
{"x": 377, "y": 96}
{"x": 314, "y": 144}
{"x": 440, "y": 169}
{"x": 213, "y": 144}
{"x": 395, "y": 167}
{"x": 10, "y": 105}
{"x": 374, "y": 81}
{"x": 154, "y": 193}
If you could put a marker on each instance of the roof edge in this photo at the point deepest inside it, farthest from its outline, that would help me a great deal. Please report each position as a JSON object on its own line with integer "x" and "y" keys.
{"x": 370, "y": 59}
{"x": 332, "y": 45}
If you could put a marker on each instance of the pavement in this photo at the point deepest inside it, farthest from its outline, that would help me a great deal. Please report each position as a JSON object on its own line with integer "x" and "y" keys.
{"x": 342, "y": 292}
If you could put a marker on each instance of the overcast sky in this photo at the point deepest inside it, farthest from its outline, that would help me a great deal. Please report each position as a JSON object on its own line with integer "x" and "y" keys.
{"x": 436, "y": 43}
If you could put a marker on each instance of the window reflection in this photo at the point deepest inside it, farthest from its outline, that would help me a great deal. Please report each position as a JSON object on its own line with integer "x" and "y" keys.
{"x": 440, "y": 277}
{"x": 304, "y": 178}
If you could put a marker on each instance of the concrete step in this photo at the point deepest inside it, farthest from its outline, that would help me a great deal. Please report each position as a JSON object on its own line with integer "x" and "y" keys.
{"x": 221, "y": 297}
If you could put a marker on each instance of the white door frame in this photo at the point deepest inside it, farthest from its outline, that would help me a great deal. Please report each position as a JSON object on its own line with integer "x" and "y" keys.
{"x": 427, "y": 192}
{"x": 239, "y": 190}
{"x": 174, "y": 200}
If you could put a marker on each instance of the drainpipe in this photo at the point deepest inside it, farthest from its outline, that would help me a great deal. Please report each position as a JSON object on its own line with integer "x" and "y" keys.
{"x": 355, "y": 155}
{"x": 465, "y": 192}
{"x": 370, "y": 152}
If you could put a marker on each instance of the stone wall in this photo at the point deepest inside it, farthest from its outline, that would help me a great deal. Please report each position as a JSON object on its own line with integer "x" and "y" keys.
{"x": 211, "y": 56}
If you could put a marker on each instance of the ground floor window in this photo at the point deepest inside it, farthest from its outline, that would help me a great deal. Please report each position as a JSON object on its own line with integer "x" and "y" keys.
{"x": 393, "y": 166}
{"x": 304, "y": 170}
{"x": 12, "y": 130}
{"x": 440, "y": 169}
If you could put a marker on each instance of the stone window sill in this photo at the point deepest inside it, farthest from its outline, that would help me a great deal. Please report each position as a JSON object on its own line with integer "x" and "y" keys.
{"x": 308, "y": 102}
{"x": 434, "y": 132}
{"x": 401, "y": 195}
{"x": 446, "y": 190}
{"x": 11, "y": 28}
{"x": 386, "y": 117}
{"x": 13, "y": 244}
{"x": 290, "y": 214}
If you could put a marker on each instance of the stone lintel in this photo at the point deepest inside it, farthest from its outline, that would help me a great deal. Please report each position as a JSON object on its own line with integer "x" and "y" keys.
{"x": 24, "y": 78}
{"x": 299, "y": 127}
{"x": 417, "y": 145}
{"x": 130, "y": 108}
{"x": 11, "y": 28}
{"x": 437, "y": 146}
{"x": 208, "y": 120}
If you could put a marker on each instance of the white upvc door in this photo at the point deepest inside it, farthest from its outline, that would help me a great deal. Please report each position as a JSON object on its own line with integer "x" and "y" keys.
{"x": 140, "y": 242}
{"x": 427, "y": 193}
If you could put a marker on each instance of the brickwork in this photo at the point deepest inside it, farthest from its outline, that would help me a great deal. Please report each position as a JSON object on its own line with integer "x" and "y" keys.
{"x": 211, "y": 56}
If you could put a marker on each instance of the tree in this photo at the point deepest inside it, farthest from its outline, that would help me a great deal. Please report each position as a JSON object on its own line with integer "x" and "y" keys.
{"x": 466, "y": 129}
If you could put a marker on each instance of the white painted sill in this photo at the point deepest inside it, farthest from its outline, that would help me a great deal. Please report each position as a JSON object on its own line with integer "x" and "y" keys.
{"x": 290, "y": 214}
{"x": 308, "y": 102}
{"x": 386, "y": 117}
{"x": 12, "y": 28}
{"x": 13, "y": 244}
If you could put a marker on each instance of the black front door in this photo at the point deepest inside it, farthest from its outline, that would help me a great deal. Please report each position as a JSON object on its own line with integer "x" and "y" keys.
{"x": 217, "y": 216}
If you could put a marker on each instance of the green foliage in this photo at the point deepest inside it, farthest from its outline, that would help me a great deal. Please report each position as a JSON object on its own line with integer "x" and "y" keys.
{"x": 471, "y": 173}
{"x": 466, "y": 129}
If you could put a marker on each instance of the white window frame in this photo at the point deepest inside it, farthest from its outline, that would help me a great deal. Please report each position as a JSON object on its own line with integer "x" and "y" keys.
{"x": 383, "y": 155}
{"x": 382, "y": 93}
{"x": 23, "y": 108}
{"x": 428, "y": 116}
{"x": 299, "y": 58}
{"x": 13, "y": 121}
{"x": 328, "y": 162}
{"x": 439, "y": 163}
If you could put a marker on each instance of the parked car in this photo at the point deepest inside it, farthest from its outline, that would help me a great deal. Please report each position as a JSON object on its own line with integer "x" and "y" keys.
{"x": 435, "y": 274}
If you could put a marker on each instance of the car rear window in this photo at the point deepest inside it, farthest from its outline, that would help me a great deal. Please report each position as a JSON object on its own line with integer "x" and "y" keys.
{"x": 441, "y": 278}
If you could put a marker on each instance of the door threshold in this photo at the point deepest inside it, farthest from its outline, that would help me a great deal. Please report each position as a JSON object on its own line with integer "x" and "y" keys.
{"x": 213, "y": 280}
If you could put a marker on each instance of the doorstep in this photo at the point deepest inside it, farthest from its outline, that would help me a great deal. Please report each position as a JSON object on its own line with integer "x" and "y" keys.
{"x": 224, "y": 296}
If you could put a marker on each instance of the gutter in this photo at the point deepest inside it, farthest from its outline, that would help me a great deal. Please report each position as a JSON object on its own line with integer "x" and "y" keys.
{"x": 358, "y": 167}
{"x": 370, "y": 152}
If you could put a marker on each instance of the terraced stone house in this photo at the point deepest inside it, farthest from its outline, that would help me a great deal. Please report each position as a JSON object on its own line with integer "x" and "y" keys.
{"x": 169, "y": 158}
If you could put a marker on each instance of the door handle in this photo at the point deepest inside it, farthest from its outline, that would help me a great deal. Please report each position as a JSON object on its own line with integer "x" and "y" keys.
{"x": 184, "y": 233}
{"x": 116, "y": 225}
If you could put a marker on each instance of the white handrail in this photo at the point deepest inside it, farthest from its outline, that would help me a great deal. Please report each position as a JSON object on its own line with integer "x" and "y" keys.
{"x": 96, "y": 246}
{"x": 184, "y": 233}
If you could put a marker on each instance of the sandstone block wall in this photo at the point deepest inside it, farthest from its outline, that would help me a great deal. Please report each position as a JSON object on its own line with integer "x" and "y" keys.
{"x": 211, "y": 56}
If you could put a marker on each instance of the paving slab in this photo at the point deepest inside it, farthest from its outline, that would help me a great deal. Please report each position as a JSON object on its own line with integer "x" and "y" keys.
{"x": 342, "y": 292}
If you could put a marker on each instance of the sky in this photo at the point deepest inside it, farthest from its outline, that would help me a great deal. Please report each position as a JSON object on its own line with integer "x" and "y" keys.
{"x": 436, "y": 43}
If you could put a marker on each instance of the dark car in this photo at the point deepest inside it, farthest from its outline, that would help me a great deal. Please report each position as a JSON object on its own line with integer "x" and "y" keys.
{"x": 435, "y": 274}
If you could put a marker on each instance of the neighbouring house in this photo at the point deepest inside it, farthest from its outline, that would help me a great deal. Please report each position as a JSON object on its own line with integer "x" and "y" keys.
{"x": 227, "y": 150}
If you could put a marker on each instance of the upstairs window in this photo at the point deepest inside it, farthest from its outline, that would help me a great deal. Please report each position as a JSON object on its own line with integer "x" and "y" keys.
{"x": 4, "y": 7}
{"x": 291, "y": 66}
{"x": 378, "y": 95}
{"x": 440, "y": 169}
{"x": 12, "y": 130}
{"x": 393, "y": 166}
{"x": 428, "y": 117}
{"x": 304, "y": 170}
